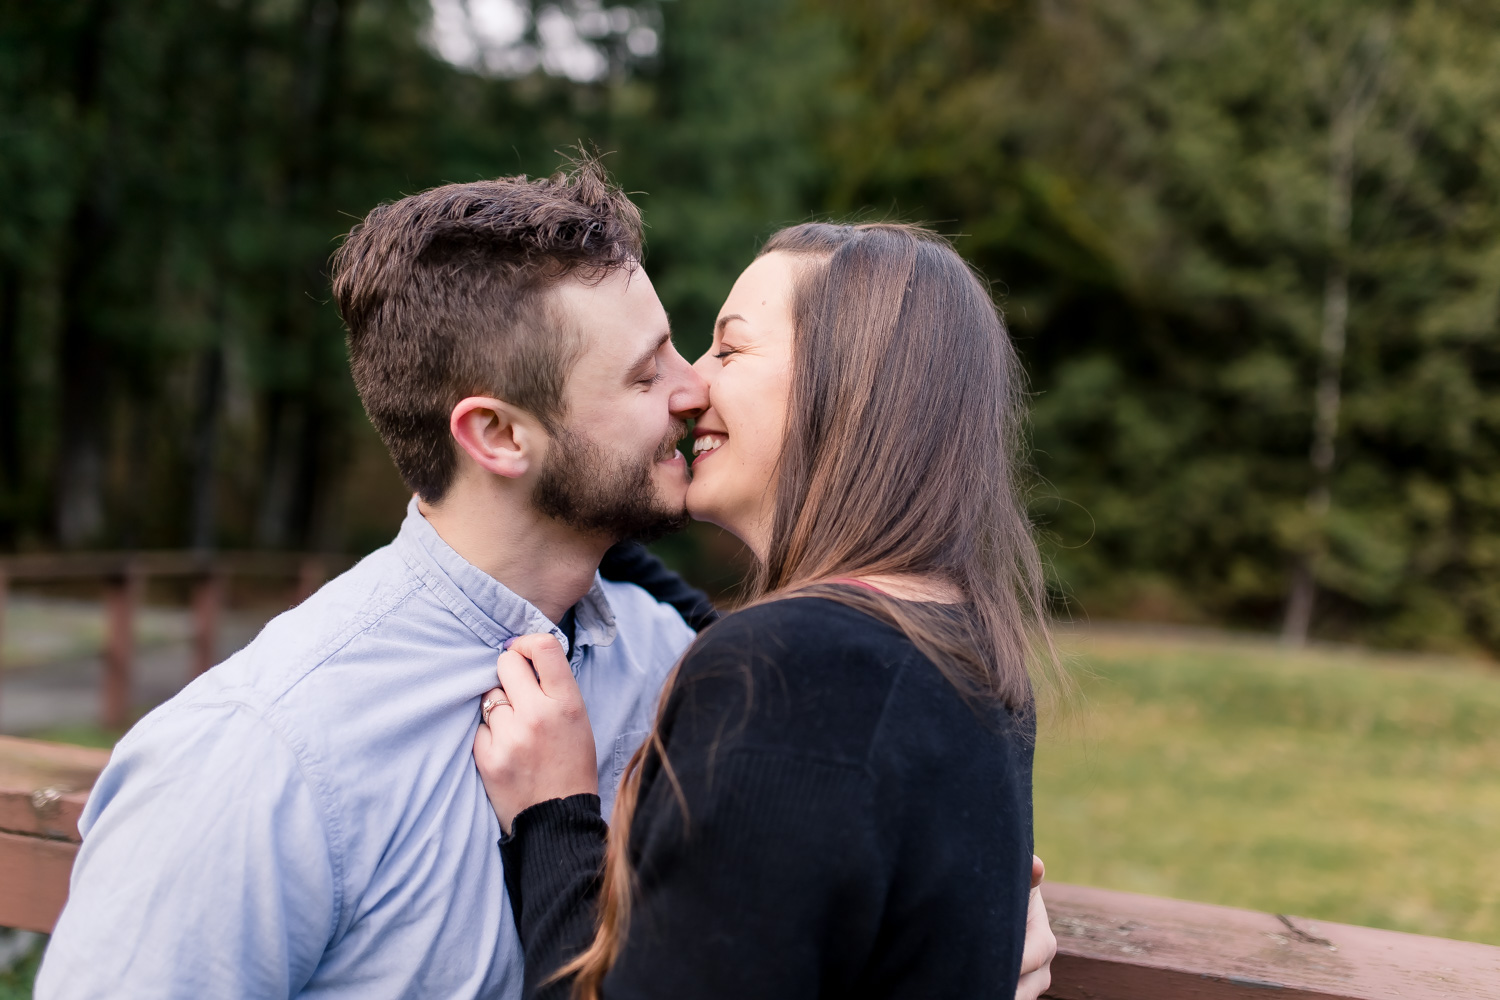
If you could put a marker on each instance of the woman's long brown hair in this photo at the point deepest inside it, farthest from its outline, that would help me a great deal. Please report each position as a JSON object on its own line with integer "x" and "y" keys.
{"x": 903, "y": 457}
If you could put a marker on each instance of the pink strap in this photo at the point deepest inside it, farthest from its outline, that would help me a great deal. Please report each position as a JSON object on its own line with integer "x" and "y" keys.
{"x": 858, "y": 583}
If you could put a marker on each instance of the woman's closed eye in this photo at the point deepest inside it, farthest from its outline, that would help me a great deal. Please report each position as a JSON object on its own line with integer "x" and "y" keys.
{"x": 725, "y": 351}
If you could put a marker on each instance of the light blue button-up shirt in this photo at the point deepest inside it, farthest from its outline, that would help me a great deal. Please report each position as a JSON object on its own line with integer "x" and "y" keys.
{"x": 305, "y": 819}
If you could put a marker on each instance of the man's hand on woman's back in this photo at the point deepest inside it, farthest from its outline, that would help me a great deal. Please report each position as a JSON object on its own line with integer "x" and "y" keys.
{"x": 1041, "y": 944}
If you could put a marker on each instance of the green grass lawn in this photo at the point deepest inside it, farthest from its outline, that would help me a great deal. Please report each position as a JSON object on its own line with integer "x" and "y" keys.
{"x": 16, "y": 983}
{"x": 1347, "y": 786}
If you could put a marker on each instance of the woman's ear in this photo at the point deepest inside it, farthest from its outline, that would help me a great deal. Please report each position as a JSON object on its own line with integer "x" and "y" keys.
{"x": 502, "y": 439}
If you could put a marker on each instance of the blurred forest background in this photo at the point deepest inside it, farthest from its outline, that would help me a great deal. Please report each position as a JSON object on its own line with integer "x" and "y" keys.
{"x": 1250, "y": 252}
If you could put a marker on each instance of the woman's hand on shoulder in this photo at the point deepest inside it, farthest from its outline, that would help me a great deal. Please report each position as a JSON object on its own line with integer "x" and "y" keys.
{"x": 535, "y": 742}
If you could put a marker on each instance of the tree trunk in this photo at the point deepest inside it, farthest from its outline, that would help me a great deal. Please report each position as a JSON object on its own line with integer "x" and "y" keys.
{"x": 271, "y": 529}
{"x": 297, "y": 416}
{"x": 83, "y": 362}
{"x": 310, "y": 482}
{"x": 1328, "y": 396}
{"x": 205, "y": 497}
{"x": 132, "y": 506}
{"x": 206, "y": 444}
{"x": 84, "y": 367}
{"x": 10, "y": 401}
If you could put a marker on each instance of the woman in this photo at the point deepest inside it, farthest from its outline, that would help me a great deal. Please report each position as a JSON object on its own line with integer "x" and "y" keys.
{"x": 836, "y": 798}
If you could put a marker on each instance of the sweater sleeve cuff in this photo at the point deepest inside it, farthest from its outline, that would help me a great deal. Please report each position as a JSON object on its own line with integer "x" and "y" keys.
{"x": 551, "y": 845}
{"x": 576, "y": 813}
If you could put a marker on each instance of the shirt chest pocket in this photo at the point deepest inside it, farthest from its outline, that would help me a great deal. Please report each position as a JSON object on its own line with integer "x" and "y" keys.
{"x": 626, "y": 745}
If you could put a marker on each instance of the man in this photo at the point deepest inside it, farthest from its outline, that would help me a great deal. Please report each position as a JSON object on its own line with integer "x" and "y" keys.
{"x": 306, "y": 819}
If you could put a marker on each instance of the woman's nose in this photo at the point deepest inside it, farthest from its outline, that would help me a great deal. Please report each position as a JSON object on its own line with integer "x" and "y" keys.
{"x": 691, "y": 397}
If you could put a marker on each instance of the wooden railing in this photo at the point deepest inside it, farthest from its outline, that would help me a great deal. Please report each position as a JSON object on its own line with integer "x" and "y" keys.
{"x": 1120, "y": 946}
{"x": 1111, "y": 945}
{"x": 42, "y": 790}
{"x": 123, "y": 577}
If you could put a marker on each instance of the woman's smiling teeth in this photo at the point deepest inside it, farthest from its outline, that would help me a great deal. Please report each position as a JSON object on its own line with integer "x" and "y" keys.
{"x": 705, "y": 443}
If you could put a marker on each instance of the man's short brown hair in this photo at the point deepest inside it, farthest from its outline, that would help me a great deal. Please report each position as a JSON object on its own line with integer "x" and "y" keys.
{"x": 444, "y": 295}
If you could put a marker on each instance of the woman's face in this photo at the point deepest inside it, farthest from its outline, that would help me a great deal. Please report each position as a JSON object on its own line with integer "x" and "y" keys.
{"x": 738, "y": 438}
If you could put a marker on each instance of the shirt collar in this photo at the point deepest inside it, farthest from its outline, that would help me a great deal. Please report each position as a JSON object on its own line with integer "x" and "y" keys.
{"x": 493, "y": 611}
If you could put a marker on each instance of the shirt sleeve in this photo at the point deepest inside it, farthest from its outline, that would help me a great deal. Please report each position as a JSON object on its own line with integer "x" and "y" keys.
{"x": 205, "y": 869}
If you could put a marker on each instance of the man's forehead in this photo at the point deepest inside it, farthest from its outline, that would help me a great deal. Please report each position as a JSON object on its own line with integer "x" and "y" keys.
{"x": 620, "y": 324}
{"x": 621, "y": 304}
{"x": 629, "y": 280}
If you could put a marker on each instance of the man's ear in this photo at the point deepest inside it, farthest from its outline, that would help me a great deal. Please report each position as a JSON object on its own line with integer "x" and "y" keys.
{"x": 503, "y": 439}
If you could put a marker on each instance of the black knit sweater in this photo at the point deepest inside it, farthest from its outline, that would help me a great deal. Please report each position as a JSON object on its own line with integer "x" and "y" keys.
{"x": 853, "y": 828}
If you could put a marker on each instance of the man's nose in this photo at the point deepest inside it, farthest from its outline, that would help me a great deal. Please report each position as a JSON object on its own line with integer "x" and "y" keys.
{"x": 702, "y": 365}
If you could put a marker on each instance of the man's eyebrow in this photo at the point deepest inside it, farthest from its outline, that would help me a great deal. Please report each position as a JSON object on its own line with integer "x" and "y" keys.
{"x": 719, "y": 326}
{"x": 649, "y": 353}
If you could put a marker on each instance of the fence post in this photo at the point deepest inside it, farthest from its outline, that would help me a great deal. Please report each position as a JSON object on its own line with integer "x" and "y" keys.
{"x": 310, "y": 576}
{"x": 4, "y": 598}
{"x": 122, "y": 594}
{"x": 208, "y": 599}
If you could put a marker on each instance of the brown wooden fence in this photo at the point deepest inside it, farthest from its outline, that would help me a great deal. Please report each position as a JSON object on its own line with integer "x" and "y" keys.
{"x": 123, "y": 576}
{"x": 1111, "y": 945}
{"x": 42, "y": 790}
{"x": 1120, "y": 946}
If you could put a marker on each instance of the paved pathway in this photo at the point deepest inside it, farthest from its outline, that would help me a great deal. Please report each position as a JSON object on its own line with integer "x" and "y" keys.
{"x": 66, "y": 692}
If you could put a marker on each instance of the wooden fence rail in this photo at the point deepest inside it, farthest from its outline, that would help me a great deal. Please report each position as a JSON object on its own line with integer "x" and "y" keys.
{"x": 1120, "y": 946}
{"x": 1111, "y": 945}
{"x": 42, "y": 790}
{"x": 124, "y": 576}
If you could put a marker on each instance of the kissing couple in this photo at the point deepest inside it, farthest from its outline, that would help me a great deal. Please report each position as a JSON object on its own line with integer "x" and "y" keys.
{"x": 824, "y": 793}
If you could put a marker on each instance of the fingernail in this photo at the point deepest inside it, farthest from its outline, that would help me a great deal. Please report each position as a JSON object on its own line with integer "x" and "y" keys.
{"x": 505, "y": 646}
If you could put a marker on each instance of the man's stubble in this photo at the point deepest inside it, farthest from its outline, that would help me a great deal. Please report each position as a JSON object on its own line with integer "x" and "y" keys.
{"x": 586, "y": 488}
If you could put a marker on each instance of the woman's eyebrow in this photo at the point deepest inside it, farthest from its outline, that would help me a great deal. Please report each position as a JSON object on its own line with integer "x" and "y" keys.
{"x": 722, "y": 320}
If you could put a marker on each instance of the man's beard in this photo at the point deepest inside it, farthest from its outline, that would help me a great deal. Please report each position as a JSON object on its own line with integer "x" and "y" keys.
{"x": 585, "y": 488}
